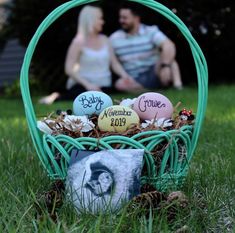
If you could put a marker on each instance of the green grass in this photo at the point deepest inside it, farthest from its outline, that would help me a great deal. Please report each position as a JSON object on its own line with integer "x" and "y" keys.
{"x": 210, "y": 185}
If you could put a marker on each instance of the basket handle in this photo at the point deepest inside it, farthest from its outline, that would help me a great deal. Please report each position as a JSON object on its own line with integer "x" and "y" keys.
{"x": 199, "y": 59}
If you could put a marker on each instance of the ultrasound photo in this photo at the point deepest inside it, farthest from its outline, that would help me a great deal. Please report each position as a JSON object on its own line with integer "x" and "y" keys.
{"x": 103, "y": 181}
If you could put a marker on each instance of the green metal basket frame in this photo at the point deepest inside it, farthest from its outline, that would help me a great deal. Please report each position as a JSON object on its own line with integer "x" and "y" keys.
{"x": 54, "y": 151}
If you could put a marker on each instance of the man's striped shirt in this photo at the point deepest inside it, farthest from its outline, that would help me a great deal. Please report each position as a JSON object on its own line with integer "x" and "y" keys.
{"x": 137, "y": 53}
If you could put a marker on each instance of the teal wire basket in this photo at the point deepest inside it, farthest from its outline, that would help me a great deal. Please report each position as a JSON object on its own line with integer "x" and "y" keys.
{"x": 164, "y": 168}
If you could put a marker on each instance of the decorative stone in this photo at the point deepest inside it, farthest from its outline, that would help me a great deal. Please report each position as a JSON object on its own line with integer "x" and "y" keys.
{"x": 91, "y": 102}
{"x": 117, "y": 119}
{"x": 153, "y": 105}
{"x": 128, "y": 102}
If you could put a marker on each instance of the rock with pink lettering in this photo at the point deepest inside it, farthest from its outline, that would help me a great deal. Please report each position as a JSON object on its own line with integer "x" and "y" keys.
{"x": 91, "y": 102}
{"x": 153, "y": 105}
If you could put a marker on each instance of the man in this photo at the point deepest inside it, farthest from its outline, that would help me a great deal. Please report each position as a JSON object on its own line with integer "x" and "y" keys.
{"x": 145, "y": 52}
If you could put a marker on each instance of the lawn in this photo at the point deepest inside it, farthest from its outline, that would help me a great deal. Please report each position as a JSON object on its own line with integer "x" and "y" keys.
{"x": 210, "y": 185}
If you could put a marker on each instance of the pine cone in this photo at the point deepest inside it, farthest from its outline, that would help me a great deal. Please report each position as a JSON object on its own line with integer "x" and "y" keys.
{"x": 184, "y": 229}
{"x": 148, "y": 200}
{"x": 52, "y": 200}
{"x": 174, "y": 202}
{"x": 147, "y": 188}
{"x": 179, "y": 198}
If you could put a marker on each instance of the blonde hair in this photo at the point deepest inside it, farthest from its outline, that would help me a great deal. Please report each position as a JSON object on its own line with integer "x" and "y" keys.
{"x": 87, "y": 19}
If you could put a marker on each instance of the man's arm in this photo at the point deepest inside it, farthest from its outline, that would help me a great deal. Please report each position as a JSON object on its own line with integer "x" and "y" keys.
{"x": 115, "y": 64}
{"x": 167, "y": 67}
{"x": 168, "y": 52}
{"x": 164, "y": 44}
{"x": 167, "y": 56}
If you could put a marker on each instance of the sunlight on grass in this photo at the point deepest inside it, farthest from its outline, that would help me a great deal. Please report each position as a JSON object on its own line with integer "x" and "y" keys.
{"x": 209, "y": 186}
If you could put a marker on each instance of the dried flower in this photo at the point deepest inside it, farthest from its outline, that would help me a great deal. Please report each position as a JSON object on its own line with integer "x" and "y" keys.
{"x": 69, "y": 122}
{"x": 158, "y": 123}
{"x": 42, "y": 126}
{"x": 81, "y": 123}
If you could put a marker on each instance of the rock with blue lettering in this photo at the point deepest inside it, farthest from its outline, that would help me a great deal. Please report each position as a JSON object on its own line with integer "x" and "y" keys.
{"x": 117, "y": 119}
{"x": 91, "y": 102}
{"x": 153, "y": 105}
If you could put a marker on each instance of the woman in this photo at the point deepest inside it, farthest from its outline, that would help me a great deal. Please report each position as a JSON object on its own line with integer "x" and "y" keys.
{"x": 88, "y": 59}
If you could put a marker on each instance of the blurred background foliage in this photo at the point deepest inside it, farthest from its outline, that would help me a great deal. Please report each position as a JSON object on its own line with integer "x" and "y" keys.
{"x": 210, "y": 21}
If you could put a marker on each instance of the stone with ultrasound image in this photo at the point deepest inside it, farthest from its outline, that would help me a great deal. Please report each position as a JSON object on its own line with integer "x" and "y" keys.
{"x": 105, "y": 180}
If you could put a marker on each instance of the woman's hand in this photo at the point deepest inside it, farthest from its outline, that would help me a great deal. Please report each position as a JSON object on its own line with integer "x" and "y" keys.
{"x": 128, "y": 84}
{"x": 126, "y": 77}
{"x": 92, "y": 87}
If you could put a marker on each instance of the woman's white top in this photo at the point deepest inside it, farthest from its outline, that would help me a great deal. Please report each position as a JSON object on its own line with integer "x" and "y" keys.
{"x": 93, "y": 66}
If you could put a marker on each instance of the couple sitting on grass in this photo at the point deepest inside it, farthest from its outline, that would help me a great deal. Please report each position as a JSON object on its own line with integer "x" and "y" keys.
{"x": 140, "y": 55}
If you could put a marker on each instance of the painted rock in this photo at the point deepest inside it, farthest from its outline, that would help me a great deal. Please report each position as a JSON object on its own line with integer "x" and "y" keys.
{"x": 117, "y": 119}
{"x": 128, "y": 102}
{"x": 153, "y": 105}
{"x": 91, "y": 102}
